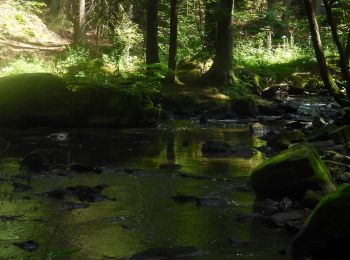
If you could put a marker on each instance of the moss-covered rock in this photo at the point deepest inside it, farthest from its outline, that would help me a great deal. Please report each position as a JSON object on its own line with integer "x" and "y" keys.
{"x": 244, "y": 107}
{"x": 42, "y": 99}
{"x": 290, "y": 174}
{"x": 188, "y": 72}
{"x": 35, "y": 99}
{"x": 102, "y": 106}
{"x": 326, "y": 233}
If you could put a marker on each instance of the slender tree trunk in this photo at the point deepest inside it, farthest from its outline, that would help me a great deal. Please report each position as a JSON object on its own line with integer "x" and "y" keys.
{"x": 173, "y": 41}
{"x": 286, "y": 16}
{"x": 347, "y": 49}
{"x": 79, "y": 21}
{"x": 221, "y": 71}
{"x": 344, "y": 61}
{"x": 152, "y": 49}
{"x": 210, "y": 25}
{"x": 321, "y": 59}
{"x": 318, "y": 7}
{"x": 98, "y": 38}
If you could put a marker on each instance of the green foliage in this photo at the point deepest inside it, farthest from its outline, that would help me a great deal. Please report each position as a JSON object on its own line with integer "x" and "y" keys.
{"x": 27, "y": 65}
{"x": 61, "y": 24}
{"x": 20, "y": 18}
{"x": 77, "y": 63}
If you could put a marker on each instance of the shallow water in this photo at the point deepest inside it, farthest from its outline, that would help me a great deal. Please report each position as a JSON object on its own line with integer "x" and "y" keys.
{"x": 140, "y": 213}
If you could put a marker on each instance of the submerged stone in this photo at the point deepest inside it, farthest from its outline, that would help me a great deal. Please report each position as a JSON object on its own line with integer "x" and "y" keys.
{"x": 167, "y": 253}
{"x": 88, "y": 194}
{"x": 170, "y": 166}
{"x": 221, "y": 148}
{"x": 290, "y": 174}
{"x": 29, "y": 245}
{"x": 37, "y": 161}
{"x": 201, "y": 201}
{"x": 70, "y": 205}
{"x": 326, "y": 234}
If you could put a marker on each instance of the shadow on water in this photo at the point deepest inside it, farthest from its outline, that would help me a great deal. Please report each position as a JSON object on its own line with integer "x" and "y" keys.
{"x": 140, "y": 212}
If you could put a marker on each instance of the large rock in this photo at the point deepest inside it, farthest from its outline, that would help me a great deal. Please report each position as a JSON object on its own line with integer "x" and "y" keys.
{"x": 326, "y": 233}
{"x": 290, "y": 174}
{"x": 107, "y": 106}
{"x": 188, "y": 72}
{"x": 35, "y": 99}
{"x": 244, "y": 107}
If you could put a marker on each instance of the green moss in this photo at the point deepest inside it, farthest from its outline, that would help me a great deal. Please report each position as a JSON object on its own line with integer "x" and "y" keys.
{"x": 45, "y": 99}
{"x": 328, "y": 222}
{"x": 34, "y": 97}
{"x": 291, "y": 173}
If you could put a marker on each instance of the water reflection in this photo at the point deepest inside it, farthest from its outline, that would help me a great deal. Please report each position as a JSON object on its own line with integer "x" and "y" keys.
{"x": 140, "y": 212}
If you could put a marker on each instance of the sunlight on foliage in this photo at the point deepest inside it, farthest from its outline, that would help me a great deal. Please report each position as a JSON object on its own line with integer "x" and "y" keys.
{"x": 27, "y": 65}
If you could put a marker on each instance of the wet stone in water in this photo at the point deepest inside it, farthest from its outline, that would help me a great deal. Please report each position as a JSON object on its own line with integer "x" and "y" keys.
{"x": 167, "y": 253}
{"x": 29, "y": 245}
{"x": 70, "y": 205}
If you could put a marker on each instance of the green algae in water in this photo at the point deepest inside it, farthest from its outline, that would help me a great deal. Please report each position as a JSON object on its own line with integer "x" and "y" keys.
{"x": 140, "y": 213}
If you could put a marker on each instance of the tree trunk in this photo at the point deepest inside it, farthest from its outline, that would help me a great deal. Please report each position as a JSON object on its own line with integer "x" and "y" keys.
{"x": 318, "y": 7}
{"x": 173, "y": 41}
{"x": 344, "y": 61}
{"x": 152, "y": 49}
{"x": 221, "y": 71}
{"x": 321, "y": 59}
{"x": 79, "y": 21}
{"x": 210, "y": 25}
{"x": 347, "y": 49}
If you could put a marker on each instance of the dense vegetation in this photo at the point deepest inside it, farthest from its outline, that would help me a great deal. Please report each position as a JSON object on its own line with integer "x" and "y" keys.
{"x": 233, "y": 114}
{"x": 147, "y": 46}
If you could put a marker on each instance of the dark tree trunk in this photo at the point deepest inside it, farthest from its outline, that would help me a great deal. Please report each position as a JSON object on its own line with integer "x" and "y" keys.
{"x": 344, "y": 61}
{"x": 347, "y": 49}
{"x": 221, "y": 71}
{"x": 210, "y": 26}
{"x": 152, "y": 49}
{"x": 321, "y": 59}
{"x": 318, "y": 7}
{"x": 79, "y": 21}
{"x": 173, "y": 41}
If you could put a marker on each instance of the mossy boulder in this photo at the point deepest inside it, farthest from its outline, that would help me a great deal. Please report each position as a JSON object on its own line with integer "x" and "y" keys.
{"x": 290, "y": 174}
{"x": 326, "y": 233}
{"x": 244, "y": 107}
{"x": 35, "y": 99}
{"x": 107, "y": 106}
{"x": 42, "y": 99}
{"x": 188, "y": 72}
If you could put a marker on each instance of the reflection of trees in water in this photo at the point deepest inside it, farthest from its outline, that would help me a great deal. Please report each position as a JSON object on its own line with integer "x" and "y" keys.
{"x": 170, "y": 148}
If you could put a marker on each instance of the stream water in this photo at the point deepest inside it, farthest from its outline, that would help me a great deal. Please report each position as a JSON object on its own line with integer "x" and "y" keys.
{"x": 139, "y": 213}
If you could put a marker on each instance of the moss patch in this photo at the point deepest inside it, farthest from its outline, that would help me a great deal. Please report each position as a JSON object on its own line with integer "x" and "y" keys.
{"x": 329, "y": 222}
{"x": 42, "y": 99}
{"x": 290, "y": 174}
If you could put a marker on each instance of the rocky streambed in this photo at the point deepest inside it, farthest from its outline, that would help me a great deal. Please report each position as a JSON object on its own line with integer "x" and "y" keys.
{"x": 183, "y": 189}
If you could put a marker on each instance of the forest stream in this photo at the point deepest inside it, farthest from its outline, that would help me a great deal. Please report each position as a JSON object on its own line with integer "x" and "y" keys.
{"x": 151, "y": 191}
